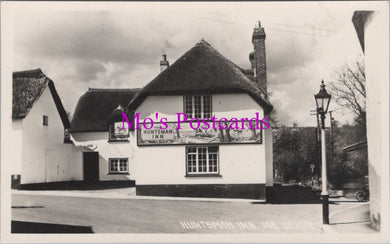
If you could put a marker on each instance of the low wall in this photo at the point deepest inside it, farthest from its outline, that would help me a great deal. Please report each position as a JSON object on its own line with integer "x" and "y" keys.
{"x": 245, "y": 191}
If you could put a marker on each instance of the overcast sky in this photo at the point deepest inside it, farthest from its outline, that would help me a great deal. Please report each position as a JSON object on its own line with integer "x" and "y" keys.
{"x": 120, "y": 46}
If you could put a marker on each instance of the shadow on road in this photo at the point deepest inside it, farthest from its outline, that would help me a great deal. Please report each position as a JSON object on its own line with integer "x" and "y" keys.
{"x": 34, "y": 227}
{"x": 292, "y": 194}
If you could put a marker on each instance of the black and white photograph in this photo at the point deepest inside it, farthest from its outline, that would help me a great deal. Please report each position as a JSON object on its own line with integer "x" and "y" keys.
{"x": 195, "y": 121}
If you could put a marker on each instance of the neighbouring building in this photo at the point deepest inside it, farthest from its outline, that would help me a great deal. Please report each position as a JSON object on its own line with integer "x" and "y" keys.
{"x": 40, "y": 139}
{"x": 372, "y": 28}
{"x": 186, "y": 162}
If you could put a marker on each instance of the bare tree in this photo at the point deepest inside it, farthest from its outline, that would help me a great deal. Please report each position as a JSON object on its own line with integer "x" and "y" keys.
{"x": 349, "y": 89}
{"x": 273, "y": 118}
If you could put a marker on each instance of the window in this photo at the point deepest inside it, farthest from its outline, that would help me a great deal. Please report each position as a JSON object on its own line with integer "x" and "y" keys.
{"x": 197, "y": 106}
{"x": 45, "y": 120}
{"x": 116, "y": 133}
{"x": 202, "y": 160}
{"x": 119, "y": 165}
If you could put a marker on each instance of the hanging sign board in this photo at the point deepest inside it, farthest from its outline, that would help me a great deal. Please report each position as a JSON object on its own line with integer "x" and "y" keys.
{"x": 187, "y": 135}
{"x": 119, "y": 132}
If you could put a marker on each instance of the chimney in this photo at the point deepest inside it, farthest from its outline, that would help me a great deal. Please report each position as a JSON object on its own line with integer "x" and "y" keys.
{"x": 252, "y": 60}
{"x": 164, "y": 64}
{"x": 258, "y": 61}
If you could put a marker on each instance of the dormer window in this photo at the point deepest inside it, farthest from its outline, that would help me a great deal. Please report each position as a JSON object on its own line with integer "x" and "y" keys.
{"x": 197, "y": 106}
{"x": 45, "y": 119}
{"x": 116, "y": 133}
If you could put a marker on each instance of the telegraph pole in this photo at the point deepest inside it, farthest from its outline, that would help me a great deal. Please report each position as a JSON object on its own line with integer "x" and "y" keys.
{"x": 331, "y": 119}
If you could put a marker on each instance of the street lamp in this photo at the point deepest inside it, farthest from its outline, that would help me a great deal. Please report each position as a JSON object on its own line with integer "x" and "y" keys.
{"x": 322, "y": 101}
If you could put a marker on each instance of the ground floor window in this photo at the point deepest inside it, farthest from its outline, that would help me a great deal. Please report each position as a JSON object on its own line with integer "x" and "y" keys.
{"x": 202, "y": 160}
{"x": 119, "y": 165}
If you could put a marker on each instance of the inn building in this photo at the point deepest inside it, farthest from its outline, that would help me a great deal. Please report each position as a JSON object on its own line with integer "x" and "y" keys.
{"x": 186, "y": 162}
{"x": 202, "y": 83}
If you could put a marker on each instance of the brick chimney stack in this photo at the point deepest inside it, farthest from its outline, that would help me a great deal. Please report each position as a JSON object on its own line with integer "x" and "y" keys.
{"x": 164, "y": 64}
{"x": 257, "y": 58}
{"x": 252, "y": 60}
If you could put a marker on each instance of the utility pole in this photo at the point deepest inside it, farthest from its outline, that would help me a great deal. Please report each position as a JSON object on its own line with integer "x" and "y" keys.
{"x": 331, "y": 134}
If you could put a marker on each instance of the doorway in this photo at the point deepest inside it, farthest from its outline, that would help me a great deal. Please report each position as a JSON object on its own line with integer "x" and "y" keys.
{"x": 91, "y": 167}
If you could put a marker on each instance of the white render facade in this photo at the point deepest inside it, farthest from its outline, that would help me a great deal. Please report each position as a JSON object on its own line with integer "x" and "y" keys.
{"x": 164, "y": 166}
{"x": 47, "y": 159}
{"x": 372, "y": 27}
{"x": 238, "y": 163}
{"x": 98, "y": 142}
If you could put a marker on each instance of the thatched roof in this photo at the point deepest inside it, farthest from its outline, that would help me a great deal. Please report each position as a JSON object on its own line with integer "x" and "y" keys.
{"x": 201, "y": 70}
{"x": 116, "y": 115}
{"x": 359, "y": 20}
{"x": 27, "y": 88}
{"x": 97, "y": 107}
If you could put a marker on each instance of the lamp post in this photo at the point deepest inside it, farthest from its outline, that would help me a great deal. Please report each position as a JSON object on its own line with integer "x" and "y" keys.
{"x": 322, "y": 101}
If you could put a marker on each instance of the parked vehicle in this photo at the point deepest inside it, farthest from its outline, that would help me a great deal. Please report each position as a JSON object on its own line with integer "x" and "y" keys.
{"x": 363, "y": 194}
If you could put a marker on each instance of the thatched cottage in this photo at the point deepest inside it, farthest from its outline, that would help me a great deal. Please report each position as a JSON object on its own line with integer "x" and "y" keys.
{"x": 204, "y": 163}
{"x": 40, "y": 141}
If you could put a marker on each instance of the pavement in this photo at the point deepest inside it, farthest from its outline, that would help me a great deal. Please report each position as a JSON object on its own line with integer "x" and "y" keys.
{"x": 354, "y": 219}
{"x": 125, "y": 193}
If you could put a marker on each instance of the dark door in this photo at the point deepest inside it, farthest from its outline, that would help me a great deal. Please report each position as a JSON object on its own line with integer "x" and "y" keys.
{"x": 91, "y": 167}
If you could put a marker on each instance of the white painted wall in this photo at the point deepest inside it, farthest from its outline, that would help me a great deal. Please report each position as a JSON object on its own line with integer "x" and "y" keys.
{"x": 269, "y": 157}
{"x": 45, "y": 158}
{"x": 377, "y": 81}
{"x": 243, "y": 163}
{"x": 98, "y": 142}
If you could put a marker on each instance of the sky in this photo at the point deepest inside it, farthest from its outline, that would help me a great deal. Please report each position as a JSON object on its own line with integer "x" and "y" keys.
{"x": 119, "y": 45}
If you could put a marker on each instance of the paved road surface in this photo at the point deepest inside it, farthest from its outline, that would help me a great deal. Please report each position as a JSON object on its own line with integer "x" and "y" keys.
{"x": 36, "y": 213}
{"x": 355, "y": 219}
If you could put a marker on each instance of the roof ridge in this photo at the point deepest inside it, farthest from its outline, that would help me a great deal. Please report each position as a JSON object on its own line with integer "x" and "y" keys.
{"x": 234, "y": 66}
{"x": 95, "y": 108}
{"x": 28, "y": 73}
{"x": 27, "y": 88}
{"x": 202, "y": 43}
{"x": 112, "y": 89}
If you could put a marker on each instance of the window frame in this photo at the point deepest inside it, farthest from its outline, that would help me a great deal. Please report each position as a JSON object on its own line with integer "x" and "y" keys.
{"x": 113, "y": 138}
{"x": 118, "y": 172}
{"x": 202, "y": 106}
{"x": 206, "y": 173}
{"x": 45, "y": 120}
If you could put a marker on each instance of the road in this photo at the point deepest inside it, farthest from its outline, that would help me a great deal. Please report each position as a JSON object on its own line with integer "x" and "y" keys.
{"x": 35, "y": 213}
